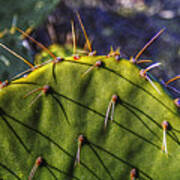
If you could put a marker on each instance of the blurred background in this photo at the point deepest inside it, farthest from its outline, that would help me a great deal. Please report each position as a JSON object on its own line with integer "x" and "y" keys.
{"x": 127, "y": 24}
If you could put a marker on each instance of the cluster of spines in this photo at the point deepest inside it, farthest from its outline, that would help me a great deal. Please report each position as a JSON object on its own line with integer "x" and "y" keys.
{"x": 112, "y": 53}
{"x": 38, "y": 163}
{"x": 111, "y": 107}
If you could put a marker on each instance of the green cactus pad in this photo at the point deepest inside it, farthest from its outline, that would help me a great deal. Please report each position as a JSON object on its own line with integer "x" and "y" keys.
{"x": 75, "y": 105}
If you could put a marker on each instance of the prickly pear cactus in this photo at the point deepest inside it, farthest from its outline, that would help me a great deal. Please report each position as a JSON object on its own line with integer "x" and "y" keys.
{"x": 88, "y": 117}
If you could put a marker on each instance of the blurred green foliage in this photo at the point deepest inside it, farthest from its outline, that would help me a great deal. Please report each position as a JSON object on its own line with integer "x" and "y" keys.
{"x": 28, "y": 13}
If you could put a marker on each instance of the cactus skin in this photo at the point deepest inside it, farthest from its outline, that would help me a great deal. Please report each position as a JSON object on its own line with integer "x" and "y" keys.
{"x": 76, "y": 105}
